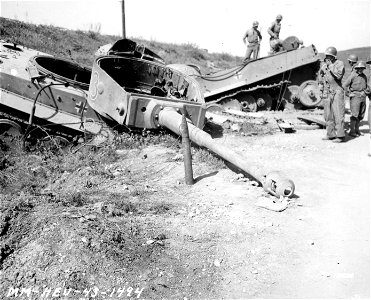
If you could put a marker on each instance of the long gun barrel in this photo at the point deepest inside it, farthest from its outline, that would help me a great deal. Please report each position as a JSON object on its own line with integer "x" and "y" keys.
{"x": 273, "y": 182}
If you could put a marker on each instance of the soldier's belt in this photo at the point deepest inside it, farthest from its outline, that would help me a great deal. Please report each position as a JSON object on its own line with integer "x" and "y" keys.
{"x": 358, "y": 93}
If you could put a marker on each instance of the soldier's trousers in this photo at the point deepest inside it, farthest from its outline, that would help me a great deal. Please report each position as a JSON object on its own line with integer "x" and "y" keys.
{"x": 334, "y": 112}
{"x": 252, "y": 48}
{"x": 358, "y": 107}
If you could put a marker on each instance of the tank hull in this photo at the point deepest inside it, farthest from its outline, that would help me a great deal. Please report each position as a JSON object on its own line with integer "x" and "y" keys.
{"x": 261, "y": 84}
{"x": 29, "y": 83}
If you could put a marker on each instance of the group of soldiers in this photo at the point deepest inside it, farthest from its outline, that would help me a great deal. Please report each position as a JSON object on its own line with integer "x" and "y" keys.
{"x": 253, "y": 37}
{"x": 333, "y": 90}
{"x": 332, "y": 87}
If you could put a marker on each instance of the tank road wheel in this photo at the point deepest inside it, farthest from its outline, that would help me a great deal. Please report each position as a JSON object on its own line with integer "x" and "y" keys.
{"x": 249, "y": 104}
{"x": 292, "y": 93}
{"x": 10, "y": 128}
{"x": 264, "y": 102}
{"x": 10, "y": 132}
{"x": 231, "y": 104}
{"x": 214, "y": 108}
{"x": 309, "y": 94}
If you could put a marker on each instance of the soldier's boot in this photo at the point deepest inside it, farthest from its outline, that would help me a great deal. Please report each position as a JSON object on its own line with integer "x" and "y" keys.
{"x": 352, "y": 126}
{"x": 356, "y": 128}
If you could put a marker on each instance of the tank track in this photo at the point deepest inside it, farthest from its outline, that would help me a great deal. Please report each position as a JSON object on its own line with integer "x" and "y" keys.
{"x": 48, "y": 129}
{"x": 252, "y": 89}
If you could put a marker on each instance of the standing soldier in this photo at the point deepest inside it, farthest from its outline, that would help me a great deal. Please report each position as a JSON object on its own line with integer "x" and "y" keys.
{"x": 274, "y": 32}
{"x": 254, "y": 38}
{"x": 332, "y": 73}
{"x": 352, "y": 59}
{"x": 369, "y": 103}
{"x": 356, "y": 88}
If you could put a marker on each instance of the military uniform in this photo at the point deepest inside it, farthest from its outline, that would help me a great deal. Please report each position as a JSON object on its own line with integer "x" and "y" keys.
{"x": 369, "y": 104}
{"x": 253, "y": 37}
{"x": 274, "y": 32}
{"x": 333, "y": 102}
{"x": 357, "y": 85}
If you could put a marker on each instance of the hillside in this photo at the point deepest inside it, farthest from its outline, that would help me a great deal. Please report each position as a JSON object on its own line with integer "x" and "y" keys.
{"x": 363, "y": 53}
{"x": 81, "y": 45}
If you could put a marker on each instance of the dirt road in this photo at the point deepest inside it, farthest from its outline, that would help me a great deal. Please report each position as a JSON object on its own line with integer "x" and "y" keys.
{"x": 320, "y": 249}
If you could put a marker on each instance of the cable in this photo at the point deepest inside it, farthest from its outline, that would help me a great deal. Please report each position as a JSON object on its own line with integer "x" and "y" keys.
{"x": 30, "y": 121}
{"x": 222, "y": 76}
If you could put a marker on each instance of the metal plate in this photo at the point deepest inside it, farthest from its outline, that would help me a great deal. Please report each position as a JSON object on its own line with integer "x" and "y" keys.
{"x": 311, "y": 120}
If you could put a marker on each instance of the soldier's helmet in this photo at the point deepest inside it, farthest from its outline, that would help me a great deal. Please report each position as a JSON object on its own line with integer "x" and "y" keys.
{"x": 353, "y": 58}
{"x": 255, "y": 24}
{"x": 331, "y": 51}
{"x": 360, "y": 65}
{"x": 279, "y": 17}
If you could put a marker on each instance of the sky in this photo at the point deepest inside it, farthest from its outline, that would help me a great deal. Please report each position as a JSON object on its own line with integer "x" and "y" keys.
{"x": 217, "y": 26}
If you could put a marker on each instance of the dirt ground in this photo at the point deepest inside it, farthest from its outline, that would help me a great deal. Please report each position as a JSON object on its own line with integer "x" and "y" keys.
{"x": 131, "y": 228}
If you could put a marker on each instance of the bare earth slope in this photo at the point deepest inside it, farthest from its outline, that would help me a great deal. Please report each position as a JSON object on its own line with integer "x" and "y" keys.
{"x": 130, "y": 228}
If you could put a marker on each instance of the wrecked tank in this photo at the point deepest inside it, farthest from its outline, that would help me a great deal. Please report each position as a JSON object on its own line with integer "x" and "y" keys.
{"x": 132, "y": 91}
{"x": 53, "y": 92}
{"x": 265, "y": 83}
{"x": 147, "y": 94}
{"x": 38, "y": 90}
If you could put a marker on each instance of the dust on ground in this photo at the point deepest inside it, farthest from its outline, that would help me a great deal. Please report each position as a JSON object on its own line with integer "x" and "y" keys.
{"x": 118, "y": 222}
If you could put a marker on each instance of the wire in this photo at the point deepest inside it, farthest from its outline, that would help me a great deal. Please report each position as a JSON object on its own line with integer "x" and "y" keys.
{"x": 222, "y": 76}
{"x": 30, "y": 121}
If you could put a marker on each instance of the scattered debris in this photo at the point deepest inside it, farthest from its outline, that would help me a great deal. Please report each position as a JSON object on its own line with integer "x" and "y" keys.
{"x": 284, "y": 126}
{"x": 236, "y": 127}
{"x": 271, "y": 204}
{"x": 311, "y": 120}
{"x": 325, "y": 274}
{"x": 178, "y": 157}
{"x": 217, "y": 262}
{"x": 160, "y": 237}
{"x": 159, "y": 240}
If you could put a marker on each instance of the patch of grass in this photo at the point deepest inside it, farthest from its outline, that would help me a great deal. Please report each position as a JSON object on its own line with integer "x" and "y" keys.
{"x": 76, "y": 199}
{"x": 161, "y": 207}
{"x": 139, "y": 192}
{"x": 203, "y": 156}
{"x": 116, "y": 205}
{"x": 143, "y": 138}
